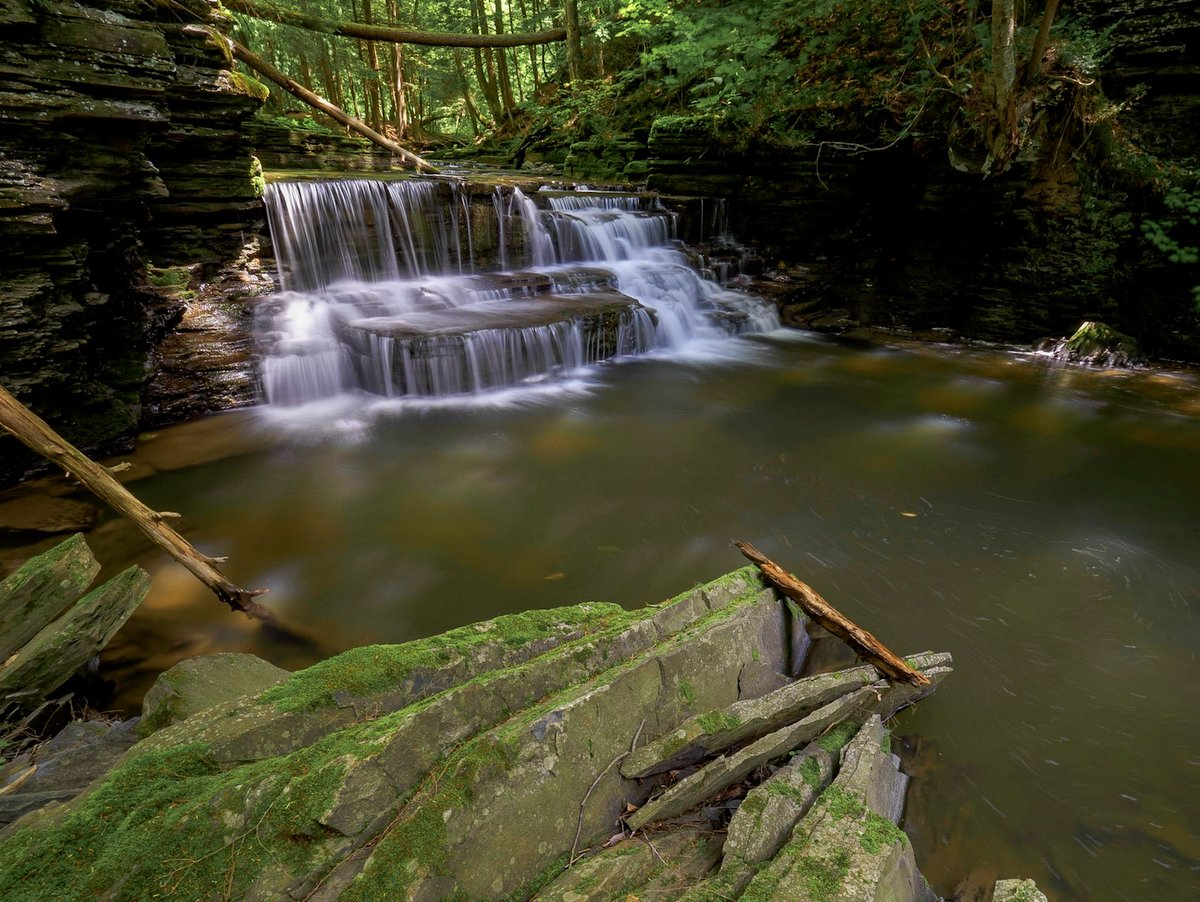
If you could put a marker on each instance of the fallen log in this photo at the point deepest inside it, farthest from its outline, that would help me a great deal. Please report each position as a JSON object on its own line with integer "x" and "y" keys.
{"x": 28, "y": 428}
{"x": 391, "y": 33}
{"x": 864, "y": 643}
{"x": 262, "y": 67}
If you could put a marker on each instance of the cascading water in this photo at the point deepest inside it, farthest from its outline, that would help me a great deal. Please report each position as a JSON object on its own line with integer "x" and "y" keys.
{"x": 410, "y": 289}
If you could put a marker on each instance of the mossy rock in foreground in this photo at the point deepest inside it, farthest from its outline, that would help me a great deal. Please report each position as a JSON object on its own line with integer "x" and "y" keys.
{"x": 481, "y": 800}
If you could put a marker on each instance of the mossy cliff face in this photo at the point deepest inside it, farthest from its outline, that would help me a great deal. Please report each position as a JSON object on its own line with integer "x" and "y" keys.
{"x": 120, "y": 145}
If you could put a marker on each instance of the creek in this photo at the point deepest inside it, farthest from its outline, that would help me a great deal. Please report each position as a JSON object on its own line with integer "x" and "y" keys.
{"x": 1038, "y": 521}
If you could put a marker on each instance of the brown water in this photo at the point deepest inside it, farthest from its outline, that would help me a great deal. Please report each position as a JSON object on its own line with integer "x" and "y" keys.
{"x": 1039, "y": 522}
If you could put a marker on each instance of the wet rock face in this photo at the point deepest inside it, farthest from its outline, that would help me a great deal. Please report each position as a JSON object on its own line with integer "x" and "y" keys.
{"x": 120, "y": 145}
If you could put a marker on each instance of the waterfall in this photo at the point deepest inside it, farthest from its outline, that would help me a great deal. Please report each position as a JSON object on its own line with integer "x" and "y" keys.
{"x": 419, "y": 288}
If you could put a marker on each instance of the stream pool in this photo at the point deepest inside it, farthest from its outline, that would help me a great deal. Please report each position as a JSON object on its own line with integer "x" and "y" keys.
{"x": 1037, "y": 521}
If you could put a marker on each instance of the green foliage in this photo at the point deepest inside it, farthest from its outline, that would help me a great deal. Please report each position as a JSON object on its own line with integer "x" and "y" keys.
{"x": 1177, "y": 234}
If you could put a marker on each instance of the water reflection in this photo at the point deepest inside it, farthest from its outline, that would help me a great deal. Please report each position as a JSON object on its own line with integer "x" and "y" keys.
{"x": 1038, "y": 522}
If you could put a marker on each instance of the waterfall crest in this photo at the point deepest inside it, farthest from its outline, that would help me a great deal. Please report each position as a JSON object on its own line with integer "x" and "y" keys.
{"x": 415, "y": 288}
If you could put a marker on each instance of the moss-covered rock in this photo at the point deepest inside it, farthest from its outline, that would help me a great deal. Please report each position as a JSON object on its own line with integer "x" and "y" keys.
{"x": 200, "y": 683}
{"x": 847, "y": 848}
{"x": 433, "y": 777}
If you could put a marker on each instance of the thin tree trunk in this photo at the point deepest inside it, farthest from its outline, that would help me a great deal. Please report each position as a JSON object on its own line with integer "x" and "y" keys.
{"x": 1039, "y": 45}
{"x": 1002, "y": 129}
{"x": 533, "y": 58}
{"x": 506, "y": 92}
{"x": 333, "y": 85}
{"x": 472, "y": 111}
{"x": 34, "y": 432}
{"x": 574, "y": 40}
{"x": 320, "y": 103}
{"x": 396, "y": 79}
{"x": 260, "y": 10}
{"x": 374, "y": 99}
{"x": 484, "y": 71}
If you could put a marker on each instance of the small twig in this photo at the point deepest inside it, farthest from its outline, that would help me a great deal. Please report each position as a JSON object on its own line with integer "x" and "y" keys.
{"x": 583, "y": 804}
{"x": 646, "y": 840}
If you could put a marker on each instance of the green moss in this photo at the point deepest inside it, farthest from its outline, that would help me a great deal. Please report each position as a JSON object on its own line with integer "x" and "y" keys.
{"x": 841, "y": 804}
{"x": 674, "y": 742}
{"x": 763, "y": 888}
{"x": 810, "y": 772}
{"x": 786, "y": 790}
{"x": 376, "y": 669}
{"x": 251, "y": 87}
{"x": 835, "y": 739}
{"x": 257, "y": 181}
{"x": 823, "y": 878}
{"x": 188, "y": 826}
{"x": 167, "y": 277}
{"x": 687, "y": 693}
{"x": 754, "y": 806}
{"x": 879, "y": 833}
{"x": 718, "y": 722}
{"x": 417, "y": 841}
{"x": 170, "y": 823}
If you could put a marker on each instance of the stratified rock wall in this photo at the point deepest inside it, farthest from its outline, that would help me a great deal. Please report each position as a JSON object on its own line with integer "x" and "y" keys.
{"x": 120, "y": 146}
{"x": 1156, "y": 53}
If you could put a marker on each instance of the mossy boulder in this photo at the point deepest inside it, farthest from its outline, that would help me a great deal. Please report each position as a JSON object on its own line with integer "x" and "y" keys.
{"x": 200, "y": 683}
{"x": 1098, "y": 345}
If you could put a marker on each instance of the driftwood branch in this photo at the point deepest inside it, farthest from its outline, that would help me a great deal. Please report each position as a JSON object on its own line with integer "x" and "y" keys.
{"x": 864, "y": 644}
{"x": 31, "y": 430}
{"x": 390, "y": 33}
{"x": 262, "y": 67}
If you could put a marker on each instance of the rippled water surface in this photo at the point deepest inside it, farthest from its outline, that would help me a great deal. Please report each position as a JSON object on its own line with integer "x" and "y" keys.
{"x": 1039, "y": 522}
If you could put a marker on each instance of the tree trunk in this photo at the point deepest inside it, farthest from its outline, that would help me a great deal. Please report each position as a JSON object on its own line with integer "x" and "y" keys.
{"x": 396, "y": 80}
{"x": 320, "y": 103}
{"x": 374, "y": 96}
{"x": 574, "y": 41}
{"x": 1039, "y": 45}
{"x": 472, "y": 111}
{"x": 1002, "y": 130}
{"x": 506, "y": 92}
{"x": 259, "y": 10}
{"x": 485, "y": 71}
